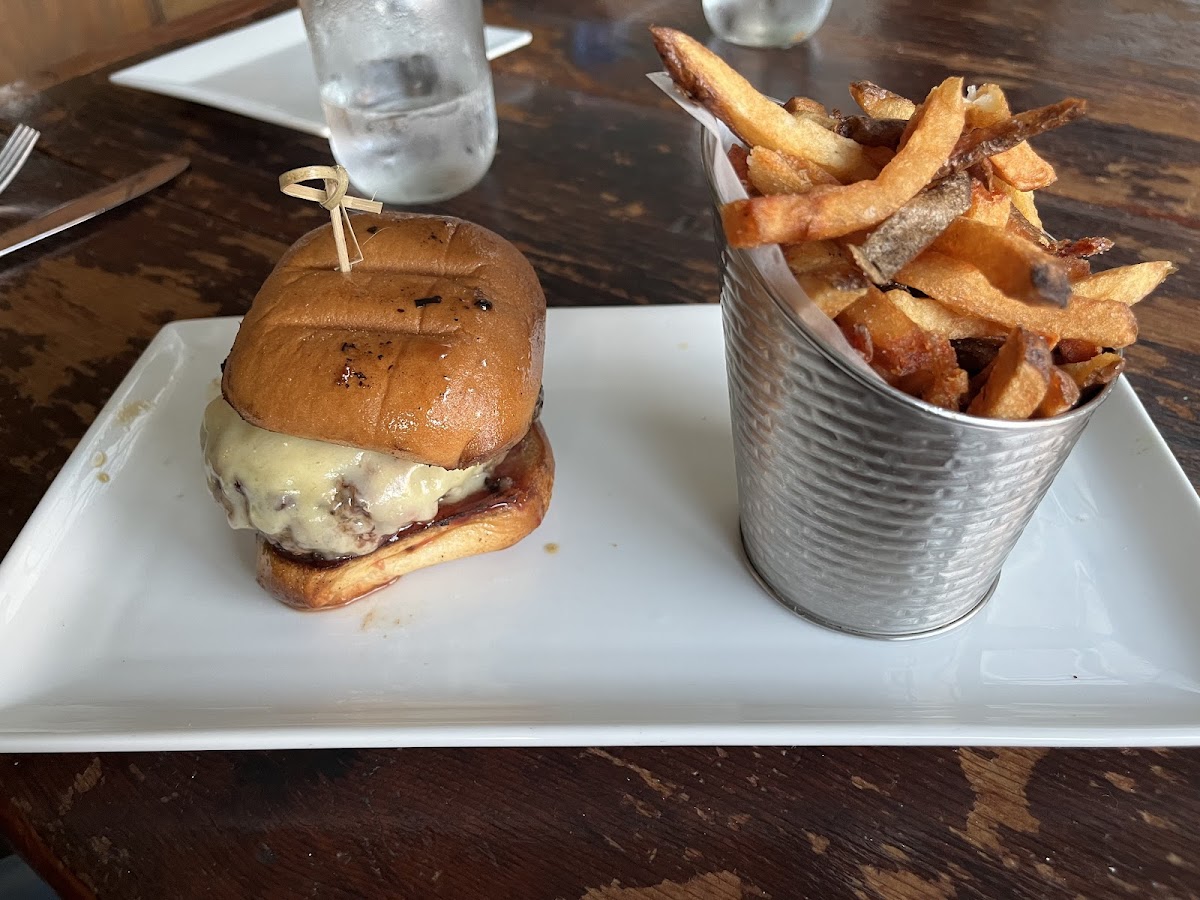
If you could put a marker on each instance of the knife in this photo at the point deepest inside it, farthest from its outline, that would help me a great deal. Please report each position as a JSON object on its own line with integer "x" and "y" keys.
{"x": 89, "y": 205}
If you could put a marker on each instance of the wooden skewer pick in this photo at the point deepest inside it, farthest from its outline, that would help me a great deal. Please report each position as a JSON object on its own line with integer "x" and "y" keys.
{"x": 334, "y": 199}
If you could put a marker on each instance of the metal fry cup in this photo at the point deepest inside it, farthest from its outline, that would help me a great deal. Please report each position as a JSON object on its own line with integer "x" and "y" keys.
{"x": 864, "y": 509}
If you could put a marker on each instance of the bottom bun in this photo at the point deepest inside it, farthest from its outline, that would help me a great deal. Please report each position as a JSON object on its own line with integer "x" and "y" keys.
{"x": 512, "y": 507}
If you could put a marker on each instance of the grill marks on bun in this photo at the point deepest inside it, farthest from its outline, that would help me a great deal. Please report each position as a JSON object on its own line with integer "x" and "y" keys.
{"x": 431, "y": 348}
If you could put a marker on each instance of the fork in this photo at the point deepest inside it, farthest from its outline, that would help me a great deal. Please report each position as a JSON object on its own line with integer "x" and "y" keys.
{"x": 15, "y": 152}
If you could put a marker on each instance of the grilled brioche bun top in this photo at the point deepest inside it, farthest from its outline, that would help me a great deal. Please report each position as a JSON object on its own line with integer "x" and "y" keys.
{"x": 430, "y": 349}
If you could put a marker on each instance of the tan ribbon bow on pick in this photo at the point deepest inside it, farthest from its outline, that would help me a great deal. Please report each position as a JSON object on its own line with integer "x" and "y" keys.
{"x": 334, "y": 199}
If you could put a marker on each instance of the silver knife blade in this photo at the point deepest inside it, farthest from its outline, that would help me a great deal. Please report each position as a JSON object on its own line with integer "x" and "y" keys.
{"x": 90, "y": 205}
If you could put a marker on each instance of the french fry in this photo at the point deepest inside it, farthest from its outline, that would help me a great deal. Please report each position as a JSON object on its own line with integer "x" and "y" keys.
{"x": 872, "y": 132}
{"x": 985, "y": 175}
{"x": 831, "y": 292}
{"x": 1062, "y": 393}
{"x": 1126, "y": 284}
{"x": 1014, "y": 266}
{"x": 1021, "y": 166}
{"x": 815, "y": 256}
{"x": 899, "y": 347}
{"x": 1081, "y": 247}
{"x": 937, "y": 319}
{"x": 1024, "y": 206}
{"x": 776, "y": 173}
{"x": 880, "y": 102}
{"x": 836, "y": 211}
{"x": 1099, "y": 370}
{"x": 932, "y": 202}
{"x": 993, "y": 140}
{"x": 805, "y": 106}
{"x": 904, "y": 355}
{"x": 756, "y": 120}
{"x": 1018, "y": 379}
{"x": 912, "y": 228}
{"x": 940, "y": 381}
{"x": 966, "y": 290}
{"x": 826, "y": 275}
{"x": 946, "y": 388}
{"x": 770, "y": 174}
{"x": 880, "y": 156}
{"x": 1076, "y": 252}
{"x": 1073, "y": 351}
{"x": 989, "y": 207}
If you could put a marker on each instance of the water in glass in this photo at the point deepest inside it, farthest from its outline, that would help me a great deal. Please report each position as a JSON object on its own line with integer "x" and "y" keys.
{"x": 407, "y": 94}
{"x": 765, "y": 23}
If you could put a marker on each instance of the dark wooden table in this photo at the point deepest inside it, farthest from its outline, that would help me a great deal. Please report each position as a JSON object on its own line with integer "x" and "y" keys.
{"x": 598, "y": 182}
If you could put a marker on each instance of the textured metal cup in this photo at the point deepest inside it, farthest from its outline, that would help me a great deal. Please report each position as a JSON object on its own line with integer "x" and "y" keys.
{"x": 862, "y": 508}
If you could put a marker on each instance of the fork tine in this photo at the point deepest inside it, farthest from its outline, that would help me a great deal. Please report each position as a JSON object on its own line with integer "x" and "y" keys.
{"x": 25, "y": 139}
{"x": 9, "y": 151}
{"x": 16, "y": 141}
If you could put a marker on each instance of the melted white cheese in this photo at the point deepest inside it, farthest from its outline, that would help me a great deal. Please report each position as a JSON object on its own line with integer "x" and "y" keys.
{"x": 313, "y": 497}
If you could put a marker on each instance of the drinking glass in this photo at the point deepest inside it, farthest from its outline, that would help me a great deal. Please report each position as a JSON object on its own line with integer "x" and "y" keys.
{"x": 765, "y": 23}
{"x": 407, "y": 94}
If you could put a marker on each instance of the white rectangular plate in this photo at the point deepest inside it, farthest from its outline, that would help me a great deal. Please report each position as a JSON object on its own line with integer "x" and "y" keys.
{"x": 263, "y": 71}
{"x": 130, "y": 619}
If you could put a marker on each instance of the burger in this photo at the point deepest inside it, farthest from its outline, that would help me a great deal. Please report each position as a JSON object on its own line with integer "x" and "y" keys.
{"x": 374, "y": 422}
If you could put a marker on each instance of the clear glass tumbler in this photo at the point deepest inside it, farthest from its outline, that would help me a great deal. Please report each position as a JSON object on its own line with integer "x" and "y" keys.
{"x": 765, "y": 23}
{"x": 407, "y": 93}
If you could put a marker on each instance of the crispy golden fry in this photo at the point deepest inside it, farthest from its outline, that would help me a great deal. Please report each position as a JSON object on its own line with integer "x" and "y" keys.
{"x": 880, "y": 102}
{"x": 770, "y": 174}
{"x": 831, "y": 291}
{"x": 1018, "y": 379}
{"x": 937, "y": 319}
{"x": 756, "y": 120}
{"x": 898, "y": 347}
{"x": 1023, "y": 205}
{"x": 815, "y": 256}
{"x": 836, "y": 211}
{"x": 989, "y": 207}
{"x": 908, "y": 358}
{"x": 1099, "y": 370}
{"x": 940, "y": 381}
{"x": 1061, "y": 394}
{"x": 805, "y": 106}
{"x": 912, "y": 228}
{"x": 986, "y": 105}
{"x": 825, "y": 274}
{"x": 776, "y": 173}
{"x": 1021, "y": 166}
{"x": 1015, "y": 266}
{"x": 965, "y": 289}
{"x": 859, "y": 202}
{"x": 1073, "y": 351}
{"x": 946, "y": 388}
{"x": 1126, "y": 284}
{"x": 993, "y": 140}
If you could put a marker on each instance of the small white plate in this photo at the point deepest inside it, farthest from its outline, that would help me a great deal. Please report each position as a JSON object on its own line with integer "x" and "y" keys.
{"x": 263, "y": 71}
{"x": 130, "y": 619}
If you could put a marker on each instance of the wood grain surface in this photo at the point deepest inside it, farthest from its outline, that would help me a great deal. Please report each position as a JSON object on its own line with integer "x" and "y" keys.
{"x": 598, "y": 181}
